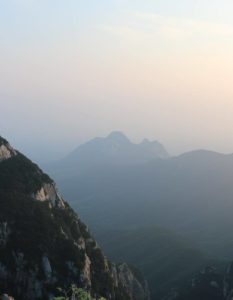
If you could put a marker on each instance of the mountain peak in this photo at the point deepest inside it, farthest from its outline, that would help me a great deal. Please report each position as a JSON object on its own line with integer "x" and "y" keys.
{"x": 115, "y": 148}
{"x": 42, "y": 187}
{"x": 118, "y": 136}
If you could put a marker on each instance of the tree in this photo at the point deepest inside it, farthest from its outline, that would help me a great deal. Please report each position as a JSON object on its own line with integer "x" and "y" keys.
{"x": 75, "y": 293}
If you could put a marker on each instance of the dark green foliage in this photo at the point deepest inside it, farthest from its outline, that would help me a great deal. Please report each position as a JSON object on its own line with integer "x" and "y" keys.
{"x": 74, "y": 293}
{"x": 19, "y": 174}
{"x": 206, "y": 285}
{"x": 35, "y": 233}
{"x": 165, "y": 258}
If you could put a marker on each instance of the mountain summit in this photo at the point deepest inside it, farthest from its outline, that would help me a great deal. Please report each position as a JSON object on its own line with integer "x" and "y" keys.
{"x": 43, "y": 243}
{"x": 116, "y": 149}
{"x": 118, "y": 136}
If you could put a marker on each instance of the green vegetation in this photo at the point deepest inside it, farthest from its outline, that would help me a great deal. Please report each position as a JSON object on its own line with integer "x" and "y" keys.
{"x": 75, "y": 293}
{"x": 19, "y": 174}
{"x": 165, "y": 259}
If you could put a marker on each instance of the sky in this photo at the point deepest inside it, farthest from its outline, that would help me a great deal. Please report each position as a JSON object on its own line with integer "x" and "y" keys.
{"x": 71, "y": 70}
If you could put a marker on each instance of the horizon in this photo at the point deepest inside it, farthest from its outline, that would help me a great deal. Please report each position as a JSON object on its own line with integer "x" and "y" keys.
{"x": 158, "y": 70}
{"x": 40, "y": 159}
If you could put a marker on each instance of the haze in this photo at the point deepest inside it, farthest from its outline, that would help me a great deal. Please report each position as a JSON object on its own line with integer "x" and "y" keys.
{"x": 155, "y": 69}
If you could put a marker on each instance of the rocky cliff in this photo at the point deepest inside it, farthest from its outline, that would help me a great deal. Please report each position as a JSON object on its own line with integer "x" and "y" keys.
{"x": 44, "y": 244}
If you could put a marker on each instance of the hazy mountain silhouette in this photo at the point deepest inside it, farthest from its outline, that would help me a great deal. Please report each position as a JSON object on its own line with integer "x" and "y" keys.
{"x": 191, "y": 193}
{"x": 115, "y": 149}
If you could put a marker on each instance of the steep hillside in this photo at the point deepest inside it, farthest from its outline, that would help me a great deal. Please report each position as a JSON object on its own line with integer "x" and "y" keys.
{"x": 166, "y": 259}
{"x": 43, "y": 243}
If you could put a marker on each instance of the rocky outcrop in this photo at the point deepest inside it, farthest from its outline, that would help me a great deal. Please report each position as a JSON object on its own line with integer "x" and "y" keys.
{"x": 86, "y": 273}
{"x": 137, "y": 288}
{"x": 6, "y": 151}
{"x": 44, "y": 245}
{"x": 48, "y": 192}
{"x": 46, "y": 267}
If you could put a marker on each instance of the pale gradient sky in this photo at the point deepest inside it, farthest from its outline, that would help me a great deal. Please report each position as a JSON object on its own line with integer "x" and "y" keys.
{"x": 73, "y": 69}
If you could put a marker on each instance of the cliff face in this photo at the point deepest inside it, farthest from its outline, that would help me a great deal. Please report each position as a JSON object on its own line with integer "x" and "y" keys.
{"x": 44, "y": 244}
{"x": 134, "y": 284}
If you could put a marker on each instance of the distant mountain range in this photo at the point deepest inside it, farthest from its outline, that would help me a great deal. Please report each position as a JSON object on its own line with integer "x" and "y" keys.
{"x": 191, "y": 194}
{"x": 115, "y": 149}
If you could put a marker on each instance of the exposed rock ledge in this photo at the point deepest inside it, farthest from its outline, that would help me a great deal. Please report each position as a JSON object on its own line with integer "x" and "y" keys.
{"x": 6, "y": 152}
{"x": 48, "y": 192}
{"x": 136, "y": 288}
